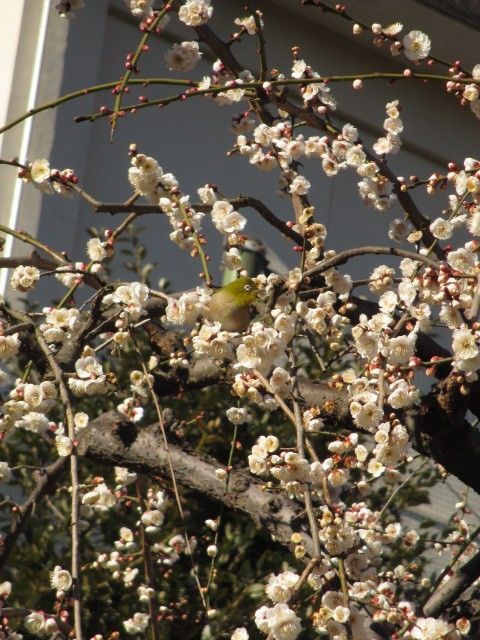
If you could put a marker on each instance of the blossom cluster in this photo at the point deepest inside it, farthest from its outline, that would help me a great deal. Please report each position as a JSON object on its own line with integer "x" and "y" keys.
{"x": 49, "y": 180}
{"x": 277, "y": 145}
{"x": 369, "y": 362}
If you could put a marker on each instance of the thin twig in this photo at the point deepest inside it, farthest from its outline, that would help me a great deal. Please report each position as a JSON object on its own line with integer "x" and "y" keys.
{"x": 148, "y": 568}
{"x": 449, "y": 567}
{"x": 398, "y": 489}
{"x": 220, "y": 515}
{"x": 45, "y": 482}
{"x": 312, "y": 520}
{"x": 344, "y": 256}
{"x": 286, "y": 409}
{"x": 261, "y": 45}
{"x": 75, "y": 502}
{"x": 171, "y": 469}
{"x": 303, "y": 578}
{"x": 340, "y": 11}
{"x": 133, "y": 67}
{"x": 26, "y": 237}
{"x": 346, "y": 598}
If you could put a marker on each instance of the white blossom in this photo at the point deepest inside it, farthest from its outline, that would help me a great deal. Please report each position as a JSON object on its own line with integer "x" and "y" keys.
{"x": 195, "y": 12}
{"x": 9, "y": 346}
{"x": 123, "y": 476}
{"x": 60, "y": 579}
{"x": 25, "y": 278}
{"x": 35, "y": 623}
{"x": 400, "y": 349}
{"x": 152, "y": 518}
{"x": 280, "y": 587}
{"x": 248, "y": 23}
{"x": 137, "y": 623}
{"x": 441, "y": 229}
{"x": 183, "y": 57}
{"x": 140, "y": 8}
{"x": 132, "y": 297}
{"x": 40, "y": 171}
{"x": 226, "y": 219}
{"x": 97, "y": 250}
{"x": 464, "y": 344}
{"x": 100, "y": 498}
{"x": 461, "y": 259}
{"x": 299, "y": 185}
{"x": 5, "y": 472}
{"x": 416, "y": 45}
{"x": 280, "y": 621}
{"x": 432, "y": 629}
{"x": 238, "y": 415}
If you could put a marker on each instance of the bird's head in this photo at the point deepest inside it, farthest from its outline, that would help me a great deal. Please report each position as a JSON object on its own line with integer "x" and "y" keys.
{"x": 241, "y": 292}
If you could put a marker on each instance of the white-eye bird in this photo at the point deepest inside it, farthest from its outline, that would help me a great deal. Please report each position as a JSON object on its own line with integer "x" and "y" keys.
{"x": 231, "y": 305}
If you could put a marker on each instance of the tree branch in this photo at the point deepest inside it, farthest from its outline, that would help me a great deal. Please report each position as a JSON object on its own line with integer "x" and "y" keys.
{"x": 344, "y": 256}
{"x": 440, "y": 431}
{"x": 447, "y": 593}
{"x": 113, "y": 441}
{"x": 45, "y": 483}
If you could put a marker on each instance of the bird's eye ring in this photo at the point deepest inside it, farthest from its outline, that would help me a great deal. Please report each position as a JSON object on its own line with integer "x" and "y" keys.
{"x": 247, "y": 287}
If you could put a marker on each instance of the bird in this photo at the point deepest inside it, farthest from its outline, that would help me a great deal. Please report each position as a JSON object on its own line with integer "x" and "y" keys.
{"x": 231, "y": 305}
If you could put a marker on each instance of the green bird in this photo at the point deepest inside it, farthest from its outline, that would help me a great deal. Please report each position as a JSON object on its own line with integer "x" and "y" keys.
{"x": 231, "y": 305}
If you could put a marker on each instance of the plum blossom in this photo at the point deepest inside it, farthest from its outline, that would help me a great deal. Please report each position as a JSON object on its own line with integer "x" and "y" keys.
{"x": 195, "y": 12}
{"x": 90, "y": 378}
{"x": 9, "y": 346}
{"x": 100, "y": 498}
{"x": 416, "y": 45}
{"x": 60, "y": 579}
{"x": 226, "y": 219}
{"x": 140, "y": 8}
{"x": 137, "y": 623}
{"x": 280, "y": 621}
{"x": 132, "y": 297}
{"x": 25, "y": 278}
{"x": 441, "y": 229}
{"x": 183, "y": 57}
{"x": 464, "y": 344}
{"x": 401, "y": 349}
{"x": 248, "y": 23}
{"x": 98, "y": 250}
{"x": 40, "y": 171}
{"x": 280, "y": 587}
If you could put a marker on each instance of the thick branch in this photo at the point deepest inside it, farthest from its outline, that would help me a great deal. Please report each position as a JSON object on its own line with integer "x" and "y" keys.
{"x": 440, "y": 431}
{"x": 453, "y": 588}
{"x": 33, "y": 259}
{"x": 114, "y": 442}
